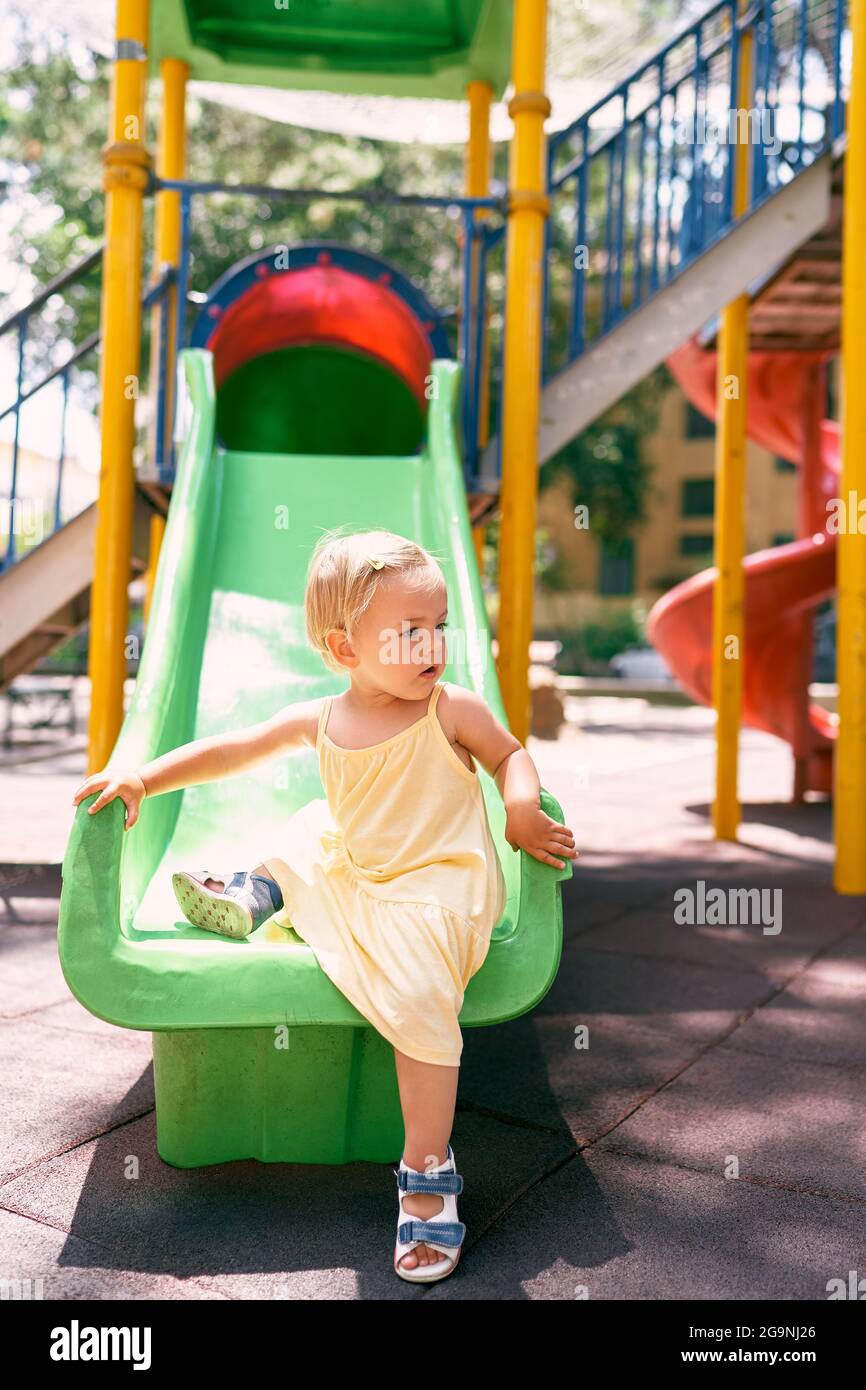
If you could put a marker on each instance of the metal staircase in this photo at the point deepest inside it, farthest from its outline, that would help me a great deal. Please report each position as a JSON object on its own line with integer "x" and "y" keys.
{"x": 45, "y": 596}
{"x": 642, "y": 230}
{"x": 45, "y": 589}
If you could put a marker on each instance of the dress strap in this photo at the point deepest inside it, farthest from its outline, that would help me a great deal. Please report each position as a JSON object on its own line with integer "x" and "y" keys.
{"x": 323, "y": 718}
{"x": 434, "y": 699}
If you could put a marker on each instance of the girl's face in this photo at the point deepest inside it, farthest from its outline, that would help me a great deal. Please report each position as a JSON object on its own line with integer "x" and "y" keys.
{"x": 399, "y": 643}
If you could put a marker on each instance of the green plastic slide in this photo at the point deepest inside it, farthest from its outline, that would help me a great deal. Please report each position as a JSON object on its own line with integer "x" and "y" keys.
{"x": 256, "y": 1053}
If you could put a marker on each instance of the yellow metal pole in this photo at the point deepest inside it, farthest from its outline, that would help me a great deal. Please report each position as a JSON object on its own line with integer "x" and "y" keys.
{"x": 728, "y": 623}
{"x": 155, "y": 535}
{"x": 478, "y": 162}
{"x": 849, "y": 763}
{"x": 478, "y": 166}
{"x": 478, "y": 546}
{"x": 171, "y": 164}
{"x": 528, "y": 208}
{"x": 126, "y": 161}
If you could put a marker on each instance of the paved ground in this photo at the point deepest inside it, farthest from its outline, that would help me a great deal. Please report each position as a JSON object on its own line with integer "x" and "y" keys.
{"x": 604, "y": 1170}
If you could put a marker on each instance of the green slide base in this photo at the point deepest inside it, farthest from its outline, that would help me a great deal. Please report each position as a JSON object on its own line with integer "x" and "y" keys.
{"x": 281, "y": 1095}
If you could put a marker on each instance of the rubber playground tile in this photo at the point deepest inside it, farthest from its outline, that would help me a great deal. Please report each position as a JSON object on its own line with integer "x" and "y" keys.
{"x": 811, "y": 1020}
{"x": 552, "y": 1073}
{"x": 31, "y": 975}
{"x": 258, "y": 1230}
{"x": 604, "y": 888}
{"x": 844, "y": 963}
{"x": 785, "y": 1121}
{"x": 597, "y": 895}
{"x": 606, "y": 1226}
{"x": 674, "y": 997}
{"x": 61, "y": 1090}
{"x": 36, "y": 811}
{"x": 60, "y": 1266}
{"x": 741, "y": 947}
{"x": 71, "y": 1017}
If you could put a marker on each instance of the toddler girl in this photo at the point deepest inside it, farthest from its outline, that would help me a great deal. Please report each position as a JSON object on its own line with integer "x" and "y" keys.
{"x": 393, "y": 878}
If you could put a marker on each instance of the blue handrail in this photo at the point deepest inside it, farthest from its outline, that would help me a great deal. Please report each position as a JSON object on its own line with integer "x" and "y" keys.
{"x": 653, "y": 159}
{"x": 20, "y": 322}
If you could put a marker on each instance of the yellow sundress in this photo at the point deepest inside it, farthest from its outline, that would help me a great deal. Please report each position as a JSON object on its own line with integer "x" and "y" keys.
{"x": 394, "y": 881}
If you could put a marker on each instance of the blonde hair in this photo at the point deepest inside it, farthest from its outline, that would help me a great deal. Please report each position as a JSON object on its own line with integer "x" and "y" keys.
{"x": 345, "y": 572}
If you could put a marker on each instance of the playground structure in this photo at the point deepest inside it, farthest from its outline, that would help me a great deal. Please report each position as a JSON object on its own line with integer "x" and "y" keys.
{"x": 682, "y": 237}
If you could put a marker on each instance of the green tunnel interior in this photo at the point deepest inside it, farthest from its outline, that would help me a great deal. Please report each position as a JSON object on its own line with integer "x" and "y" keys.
{"x": 318, "y": 399}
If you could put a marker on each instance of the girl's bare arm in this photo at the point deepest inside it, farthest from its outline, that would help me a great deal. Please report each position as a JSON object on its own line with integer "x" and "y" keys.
{"x": 204, "y": 760}
{"x": 225, "y": 755}
{"x": 505, "y": 758}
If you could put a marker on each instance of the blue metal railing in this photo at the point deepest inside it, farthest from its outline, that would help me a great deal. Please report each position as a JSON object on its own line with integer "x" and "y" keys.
{"x": 642, "y": 183}
{"x": 20, "y": 322}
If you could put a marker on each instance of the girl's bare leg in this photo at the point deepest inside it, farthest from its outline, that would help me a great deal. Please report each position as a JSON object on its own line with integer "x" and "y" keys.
{"x": 428, "y": 1095}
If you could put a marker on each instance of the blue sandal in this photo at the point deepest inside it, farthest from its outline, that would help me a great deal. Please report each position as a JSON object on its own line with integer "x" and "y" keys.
{"x": 442, "y": 1232}
{"x": 246, "y": 901}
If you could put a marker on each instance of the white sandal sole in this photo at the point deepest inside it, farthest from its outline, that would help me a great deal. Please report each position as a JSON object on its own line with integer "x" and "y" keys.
{"x": 209, "y": 910}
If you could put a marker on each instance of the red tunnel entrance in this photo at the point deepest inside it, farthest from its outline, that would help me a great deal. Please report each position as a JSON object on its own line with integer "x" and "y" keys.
{"x": 320, "y": 360}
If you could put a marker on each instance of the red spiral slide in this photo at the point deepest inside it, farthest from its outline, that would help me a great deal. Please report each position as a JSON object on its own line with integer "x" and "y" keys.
{"x": 782, "y": 584}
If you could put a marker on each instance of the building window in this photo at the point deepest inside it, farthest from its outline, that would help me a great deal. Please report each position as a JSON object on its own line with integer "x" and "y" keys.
{"x": 784, "y": 465}
{"x": 697, "y": 497}
{"x": 616, "y": 567}
{"x": 697, "y": 545}
{"x": 697, "y": 424}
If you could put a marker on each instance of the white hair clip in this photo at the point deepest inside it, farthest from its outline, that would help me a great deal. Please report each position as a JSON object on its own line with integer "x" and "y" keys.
{"x": 376, "y": 561}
